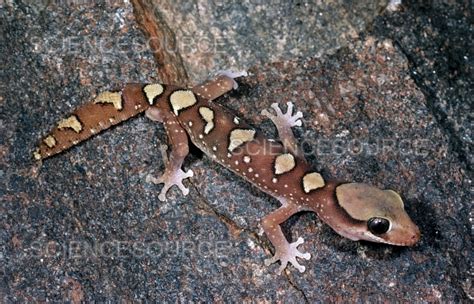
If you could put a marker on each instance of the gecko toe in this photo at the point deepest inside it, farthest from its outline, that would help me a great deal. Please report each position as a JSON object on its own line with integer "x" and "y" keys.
{"x": 232, "y": 74}
{"x": 298, "y": 242}
{"x": 169, "y": 179}
{"x": 183, "y": 189}
{"x": 189, "y": 173}
{"x": 271, "y": 260}
{"x": 306, "y": 255}
{"x": 277, "y": 109}
{"x": 155, "y": 180}
{"x": 162, "y": 197}
{"x": 164, "y": 190}
{"x": 282, "y": 267}
{"x": 297, "y": 265}
{"x": 266, "y": 113}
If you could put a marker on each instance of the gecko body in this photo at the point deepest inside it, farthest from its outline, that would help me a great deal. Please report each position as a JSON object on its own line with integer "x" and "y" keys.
{"x": 354, "y": 210}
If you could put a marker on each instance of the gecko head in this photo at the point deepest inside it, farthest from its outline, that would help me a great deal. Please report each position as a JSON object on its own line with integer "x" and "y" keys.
{"x": 381, "y": 215}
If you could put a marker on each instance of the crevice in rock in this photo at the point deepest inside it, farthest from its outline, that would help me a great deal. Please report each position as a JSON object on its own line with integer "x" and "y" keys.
{"x": 162, "y": 42}
{"x": 431, "y": 102}
{"x": 231, "y": 224}
{"x": 297, "y": 288}
{"x": 234, "y": 226}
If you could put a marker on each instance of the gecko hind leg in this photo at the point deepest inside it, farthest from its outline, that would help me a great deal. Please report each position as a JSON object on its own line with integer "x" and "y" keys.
{"x": 284, "y": 123}
{"x": 178, "y": 139}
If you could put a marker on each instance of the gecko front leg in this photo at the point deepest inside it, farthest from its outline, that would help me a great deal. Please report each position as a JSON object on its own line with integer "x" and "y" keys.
{"x": 178, "y": 140}
{"x": 284, "y": 252}
{"x": 284, "y": 123}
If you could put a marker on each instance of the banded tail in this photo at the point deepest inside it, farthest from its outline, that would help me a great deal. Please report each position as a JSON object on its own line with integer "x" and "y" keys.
{"x": 113, "y": 107}
{"x": 107, "y": 109}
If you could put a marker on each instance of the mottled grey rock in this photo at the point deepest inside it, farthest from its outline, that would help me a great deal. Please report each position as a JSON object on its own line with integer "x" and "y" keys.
{"x": 85, "y": 226}
{"x": 437, "y": 40}
{"x": 216, "y": 35}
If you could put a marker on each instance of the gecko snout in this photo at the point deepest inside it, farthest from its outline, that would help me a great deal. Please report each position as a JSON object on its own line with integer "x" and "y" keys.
{"x": 415, "y": 236}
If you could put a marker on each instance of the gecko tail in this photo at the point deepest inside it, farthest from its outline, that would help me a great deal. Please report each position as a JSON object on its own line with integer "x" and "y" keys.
{"x": 109, "y": 108}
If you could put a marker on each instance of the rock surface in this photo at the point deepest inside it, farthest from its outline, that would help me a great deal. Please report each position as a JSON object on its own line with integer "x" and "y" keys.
{"x": 214, "y": 35}
{"x": 85, "y": 226}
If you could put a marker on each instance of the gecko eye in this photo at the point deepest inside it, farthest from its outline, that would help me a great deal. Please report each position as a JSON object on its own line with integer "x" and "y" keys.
{"x": 378, "y": 225}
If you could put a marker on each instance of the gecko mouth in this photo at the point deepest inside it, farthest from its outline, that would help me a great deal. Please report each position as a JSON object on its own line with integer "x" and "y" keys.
{"x": 413, "y": 238}
{"x": 406, "y": 239}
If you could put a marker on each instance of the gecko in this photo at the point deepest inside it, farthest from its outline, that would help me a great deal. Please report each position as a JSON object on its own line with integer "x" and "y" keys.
{"x": 357, "y": 211}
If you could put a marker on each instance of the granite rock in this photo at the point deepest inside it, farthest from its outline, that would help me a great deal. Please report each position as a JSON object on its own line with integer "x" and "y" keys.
{"x": 85, "y": 226}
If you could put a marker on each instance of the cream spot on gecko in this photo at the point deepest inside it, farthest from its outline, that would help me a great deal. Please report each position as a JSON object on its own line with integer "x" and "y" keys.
{"x": 71, "y": 122}
{"x": 50, "y": 141}
{"x": 152, "y": 91}
{"x": 238, "y": 137}
{"x": 284, "y": 163}
{"x": 247, "y": 159}
{"x": 37, "y": 154}
{"x": 312, "y": 181}
{"x": 114, "y": 98}
{"x": 208, "y": 116}
{"x": 182, "y": 99}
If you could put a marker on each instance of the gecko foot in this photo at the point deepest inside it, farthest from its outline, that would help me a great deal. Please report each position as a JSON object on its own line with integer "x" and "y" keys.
{"x": 287, "y": 119}
{"x": 233, "y": 75}
{"x": 289, "y": 254}
{"x": 169, "y": 179}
